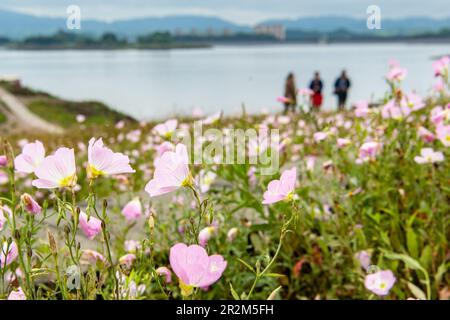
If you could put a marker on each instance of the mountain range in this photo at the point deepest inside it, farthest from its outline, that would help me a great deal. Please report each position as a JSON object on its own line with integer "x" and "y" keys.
{"x": 18, "y": 25}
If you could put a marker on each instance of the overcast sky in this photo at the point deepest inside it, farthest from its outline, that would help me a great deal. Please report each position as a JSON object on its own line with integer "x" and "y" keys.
{"x": 241, "y": 11}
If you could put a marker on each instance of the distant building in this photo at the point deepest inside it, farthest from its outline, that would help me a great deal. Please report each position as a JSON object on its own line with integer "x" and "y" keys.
{"x": 194, "y": 32}
{"x": 276, "y": 30}
{"x": 178, "y": 32}
{"x": 210, "y": 31}
{"x": 227, "y": 32}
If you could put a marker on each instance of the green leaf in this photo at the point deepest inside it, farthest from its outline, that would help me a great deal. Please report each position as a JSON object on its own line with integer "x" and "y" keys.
{"x": 410, "y": 262}
{"x": 411, "y": 242}
{"x": 234, "y": 293}
{"x": 274, "y": 275}
{"x": 426, "y": 257}
{"x": 440, "y": 273}
{"x": 247, "y": 265}
{"x": 416, "y": 291}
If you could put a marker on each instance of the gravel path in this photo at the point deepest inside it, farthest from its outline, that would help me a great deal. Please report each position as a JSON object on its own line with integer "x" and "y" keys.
{"x": 24, "y": 117}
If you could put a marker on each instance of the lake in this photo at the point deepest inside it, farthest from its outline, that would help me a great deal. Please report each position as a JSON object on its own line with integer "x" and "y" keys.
{"x": 158, "y": 84}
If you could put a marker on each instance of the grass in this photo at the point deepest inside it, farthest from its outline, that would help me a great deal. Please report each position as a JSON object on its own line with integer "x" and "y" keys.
{"x": 64, "y": 113}
{"x": 2, "y": 118}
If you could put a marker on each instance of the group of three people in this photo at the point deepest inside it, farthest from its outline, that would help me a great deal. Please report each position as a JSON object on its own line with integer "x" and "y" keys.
{"x": 341, "y": 87}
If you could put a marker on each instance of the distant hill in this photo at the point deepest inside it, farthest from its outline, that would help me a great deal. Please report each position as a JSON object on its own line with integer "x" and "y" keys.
{"x": 404, "y": 26}
{"x": 16, "y": 25}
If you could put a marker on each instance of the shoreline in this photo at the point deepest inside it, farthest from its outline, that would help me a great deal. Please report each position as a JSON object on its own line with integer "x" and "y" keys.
{"x": 214, "y": 44}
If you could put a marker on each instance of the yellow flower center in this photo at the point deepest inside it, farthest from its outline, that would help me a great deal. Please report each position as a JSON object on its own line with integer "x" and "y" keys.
{"x": 186, "y": 289}
{"x": 68, "y": 181}
{"x": 93, "y": 172}
{"x": 188, "y": 182}
{"x": 290, "y": 196}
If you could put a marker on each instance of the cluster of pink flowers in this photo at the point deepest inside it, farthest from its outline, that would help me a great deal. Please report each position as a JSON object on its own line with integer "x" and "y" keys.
{"x": 368, "y": 151}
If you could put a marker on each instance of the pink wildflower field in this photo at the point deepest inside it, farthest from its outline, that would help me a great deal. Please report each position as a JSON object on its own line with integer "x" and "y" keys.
{"x": 356, "y": 208}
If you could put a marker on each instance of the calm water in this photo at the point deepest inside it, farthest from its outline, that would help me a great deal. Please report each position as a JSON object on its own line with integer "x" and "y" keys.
{"x": 156, "y": 84}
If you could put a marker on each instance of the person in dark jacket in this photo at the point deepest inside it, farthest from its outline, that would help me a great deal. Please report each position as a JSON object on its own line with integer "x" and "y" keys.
{"x": 316, "y": 86}
{"x": 341, "y": 87}
{"x": 290, "y": 92}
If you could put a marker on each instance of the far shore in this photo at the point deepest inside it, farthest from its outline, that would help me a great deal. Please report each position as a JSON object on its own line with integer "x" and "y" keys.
{"x": 212, "y": 44}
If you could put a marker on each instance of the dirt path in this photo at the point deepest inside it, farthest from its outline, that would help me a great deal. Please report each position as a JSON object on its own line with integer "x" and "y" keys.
{"x": 24, "y": 117}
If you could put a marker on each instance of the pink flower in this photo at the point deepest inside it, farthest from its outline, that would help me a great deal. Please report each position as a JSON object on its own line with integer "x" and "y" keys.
{"x": 132, "y": 210}
{"x": 362, "y": 109}
{"x": 4, "y": 178}
{"x": 443, "y": 134}
{"x": 439, "y": 85}
{"x": 31, "y": 157}
{"x": 343, "y": 142}
{"x": 364, "y": 259}
{"x": 439, "y": 115}
{"x": 441, "y": 66}
{"x": 91, "y": 256}
{"x": 171, "y": 172}
{"x": 368, "y": 151}
{"x": 392, "y": 110}
{"x": 3, "y": 161}
{"x": 127, "y": 260}
{"x": 163, "y": 271}
{"x": 320, "y": 136}
{"x": 81, "y": 118}
{"x": 17, "y": 295}
{"x": 90, "y": 226}
{"x": 205, "y": 235}
{"x": 103, "y": 161}
{"x": 380, "y": 282}
{"x": 396, "y": 74}
{"x": 163, "y": 147}
{"x": 411, "y": 102}
{"x": 428, "y": 155}
{"x": 30, "y": 204}
{"x": 167, "y": 128}
{"x": 120, "y": 124}
{"x": 57, "y": 171}
{"x": 194, "y": 268}
{"x": 8, "y": 254}
{"x": 426, "y": 135}
{"x": 132, "y": 245}
{"x": 282, "y": 189}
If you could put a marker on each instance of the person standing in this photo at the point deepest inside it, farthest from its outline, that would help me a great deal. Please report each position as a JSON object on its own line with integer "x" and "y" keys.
{"x": 341, "y": 87}
{"x": 290, "y": 93}
{"x": 316, "y": 86}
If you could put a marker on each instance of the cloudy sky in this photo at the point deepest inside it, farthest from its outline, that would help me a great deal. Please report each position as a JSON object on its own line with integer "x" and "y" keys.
{"x": 241, "y": 11}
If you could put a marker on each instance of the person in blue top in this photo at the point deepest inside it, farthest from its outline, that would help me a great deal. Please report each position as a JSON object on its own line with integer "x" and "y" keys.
{"x": 341, "y": 87}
